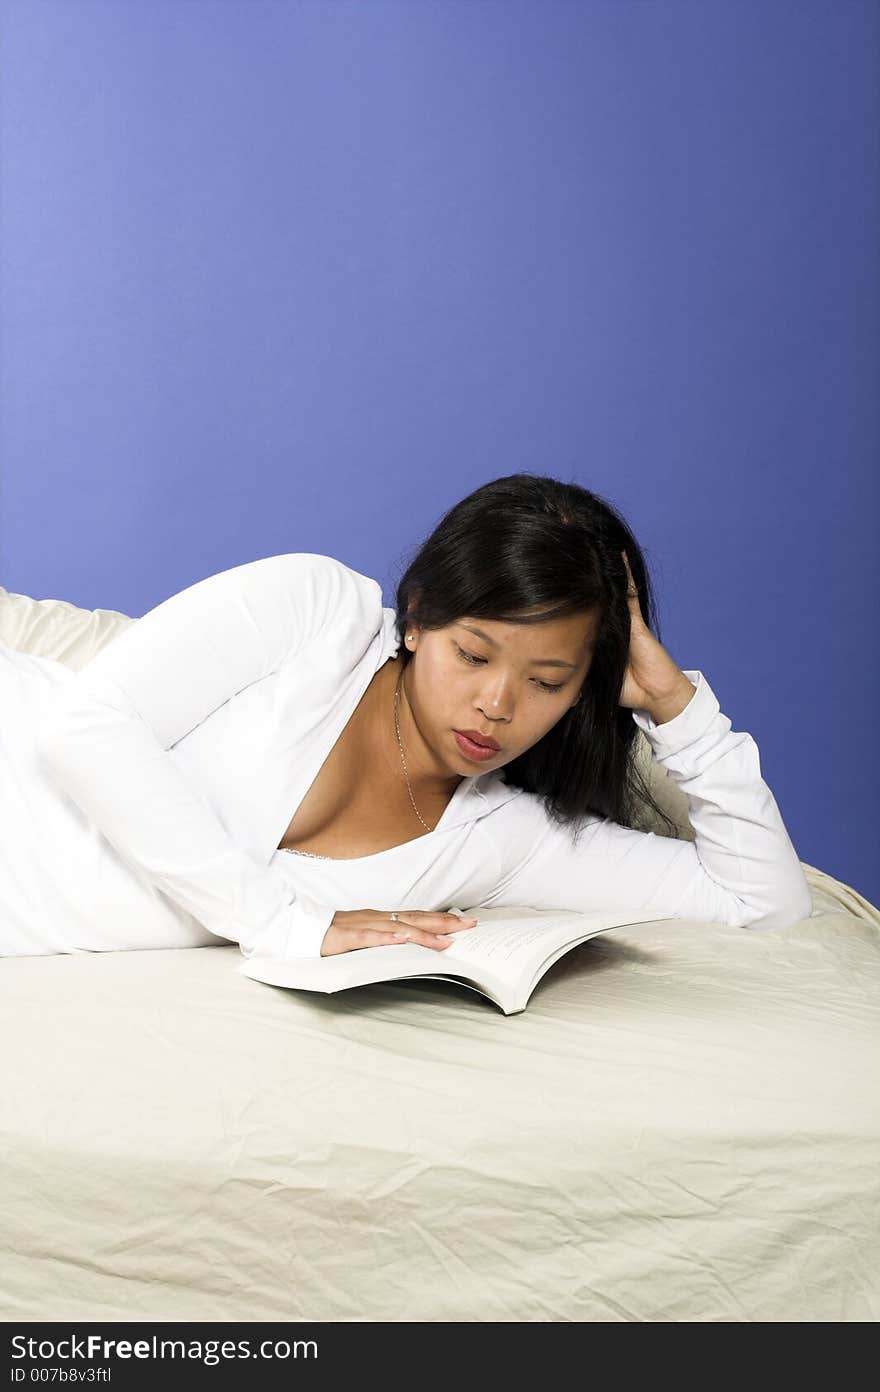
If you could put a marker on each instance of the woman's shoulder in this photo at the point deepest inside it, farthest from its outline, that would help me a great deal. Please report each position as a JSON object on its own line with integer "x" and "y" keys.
{"x": 320, "y": 586}
{"x": 324, "y": 568}
{"x": 341, "y": 592}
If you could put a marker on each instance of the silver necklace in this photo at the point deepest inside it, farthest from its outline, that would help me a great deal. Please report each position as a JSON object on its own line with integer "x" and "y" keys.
{"x": 402, "y": 756}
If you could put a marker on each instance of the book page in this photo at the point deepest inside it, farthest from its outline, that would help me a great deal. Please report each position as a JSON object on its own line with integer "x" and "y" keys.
{"x": 508, "y": 946}
{"x": 500, "y": 943}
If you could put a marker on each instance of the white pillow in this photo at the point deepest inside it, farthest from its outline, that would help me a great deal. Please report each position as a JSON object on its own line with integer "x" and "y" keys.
{"x": 55, "y": 628}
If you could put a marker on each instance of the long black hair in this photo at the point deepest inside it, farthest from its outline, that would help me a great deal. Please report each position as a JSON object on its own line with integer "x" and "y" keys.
{"x": 525, "y": 541}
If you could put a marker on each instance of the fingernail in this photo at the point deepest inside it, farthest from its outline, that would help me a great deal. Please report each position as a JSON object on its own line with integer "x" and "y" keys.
{"x": 404, "y": 936}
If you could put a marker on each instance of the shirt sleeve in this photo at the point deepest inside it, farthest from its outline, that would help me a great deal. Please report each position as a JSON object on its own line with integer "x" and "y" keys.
{"x": 105, "y": 742}
{"x": 742, "y": 869}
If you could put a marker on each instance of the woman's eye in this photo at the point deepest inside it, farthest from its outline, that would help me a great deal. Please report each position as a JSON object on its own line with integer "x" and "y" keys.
{"x": 469, "y": 657}
{"x": 473, "y": 661}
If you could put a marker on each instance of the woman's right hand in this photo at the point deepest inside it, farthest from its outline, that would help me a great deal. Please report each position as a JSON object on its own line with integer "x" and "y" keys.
{"x": 355, "y": 928}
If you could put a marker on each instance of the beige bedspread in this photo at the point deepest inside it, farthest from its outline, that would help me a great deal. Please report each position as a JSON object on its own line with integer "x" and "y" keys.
{"x": 683, "y": 1125}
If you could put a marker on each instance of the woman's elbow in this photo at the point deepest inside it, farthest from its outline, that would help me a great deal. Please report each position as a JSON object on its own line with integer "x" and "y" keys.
{"x": 783, "y": 915}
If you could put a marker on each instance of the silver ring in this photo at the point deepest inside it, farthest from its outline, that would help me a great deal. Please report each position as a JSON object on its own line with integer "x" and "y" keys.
{"x": 393, "y": 917}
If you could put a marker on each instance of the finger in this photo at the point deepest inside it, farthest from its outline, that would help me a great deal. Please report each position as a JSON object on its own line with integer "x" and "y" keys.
{"x": 436, "y": 922}
{"x": 632, "y": 589}
{"x": 380, "y": 939}
{"x": 410, "y": 932}
{"x": 427, "y": 929}
{"x": 420, "y": 938}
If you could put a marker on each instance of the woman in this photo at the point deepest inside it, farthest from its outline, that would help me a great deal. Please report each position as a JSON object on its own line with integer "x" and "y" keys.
{"x": 270, "y": 750}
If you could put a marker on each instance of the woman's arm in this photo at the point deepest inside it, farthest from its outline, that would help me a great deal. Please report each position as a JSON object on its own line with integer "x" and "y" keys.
{"x": 742, "y": 870}
{"x": 105, "y": 743}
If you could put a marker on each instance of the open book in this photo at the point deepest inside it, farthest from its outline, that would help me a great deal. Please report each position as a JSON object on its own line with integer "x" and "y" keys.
{"x": 503, "y": 957}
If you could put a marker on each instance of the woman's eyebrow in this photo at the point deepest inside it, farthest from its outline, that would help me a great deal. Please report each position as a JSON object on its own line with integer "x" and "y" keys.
{"x": 538, "y": 661}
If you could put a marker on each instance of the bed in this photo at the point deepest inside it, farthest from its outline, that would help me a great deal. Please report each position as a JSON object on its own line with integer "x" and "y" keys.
{"x": 682, "y": 1126}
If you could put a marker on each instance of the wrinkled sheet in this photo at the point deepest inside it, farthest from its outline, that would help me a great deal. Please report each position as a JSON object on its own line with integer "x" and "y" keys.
{"x": 683, "y": 1125}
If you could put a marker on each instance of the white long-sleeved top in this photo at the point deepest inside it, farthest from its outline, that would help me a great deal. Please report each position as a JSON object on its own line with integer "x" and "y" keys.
{"x": 173, "y": 762}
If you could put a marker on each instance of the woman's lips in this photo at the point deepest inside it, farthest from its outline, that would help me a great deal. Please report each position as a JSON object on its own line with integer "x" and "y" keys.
{"x": 472, "y": 750}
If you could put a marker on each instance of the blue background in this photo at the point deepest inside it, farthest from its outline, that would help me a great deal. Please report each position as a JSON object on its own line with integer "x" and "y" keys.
{"x": 298, "y": 276}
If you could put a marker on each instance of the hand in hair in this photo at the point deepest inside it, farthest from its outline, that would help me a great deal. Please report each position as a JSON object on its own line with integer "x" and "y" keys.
{"x": 653, "y": 681}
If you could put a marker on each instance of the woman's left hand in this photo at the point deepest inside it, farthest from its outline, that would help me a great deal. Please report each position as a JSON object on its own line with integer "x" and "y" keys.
{"x": 653, "y": 682}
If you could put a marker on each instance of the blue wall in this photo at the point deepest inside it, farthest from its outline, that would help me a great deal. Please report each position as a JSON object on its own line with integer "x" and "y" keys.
{"x": 297, "y": 276}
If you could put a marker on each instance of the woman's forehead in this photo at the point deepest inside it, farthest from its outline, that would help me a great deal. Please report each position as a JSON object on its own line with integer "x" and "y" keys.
{"x": 578, "y": 629}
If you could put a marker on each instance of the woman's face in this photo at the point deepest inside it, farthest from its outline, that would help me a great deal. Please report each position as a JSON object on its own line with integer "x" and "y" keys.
{"x": 504, "y": 681}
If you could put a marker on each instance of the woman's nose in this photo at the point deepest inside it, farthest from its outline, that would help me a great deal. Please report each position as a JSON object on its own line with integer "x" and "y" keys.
{"x": 496, "y": 703}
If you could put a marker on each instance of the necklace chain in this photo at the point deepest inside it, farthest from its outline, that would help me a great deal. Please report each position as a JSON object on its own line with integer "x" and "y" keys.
{"x": 402, "y": 756}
